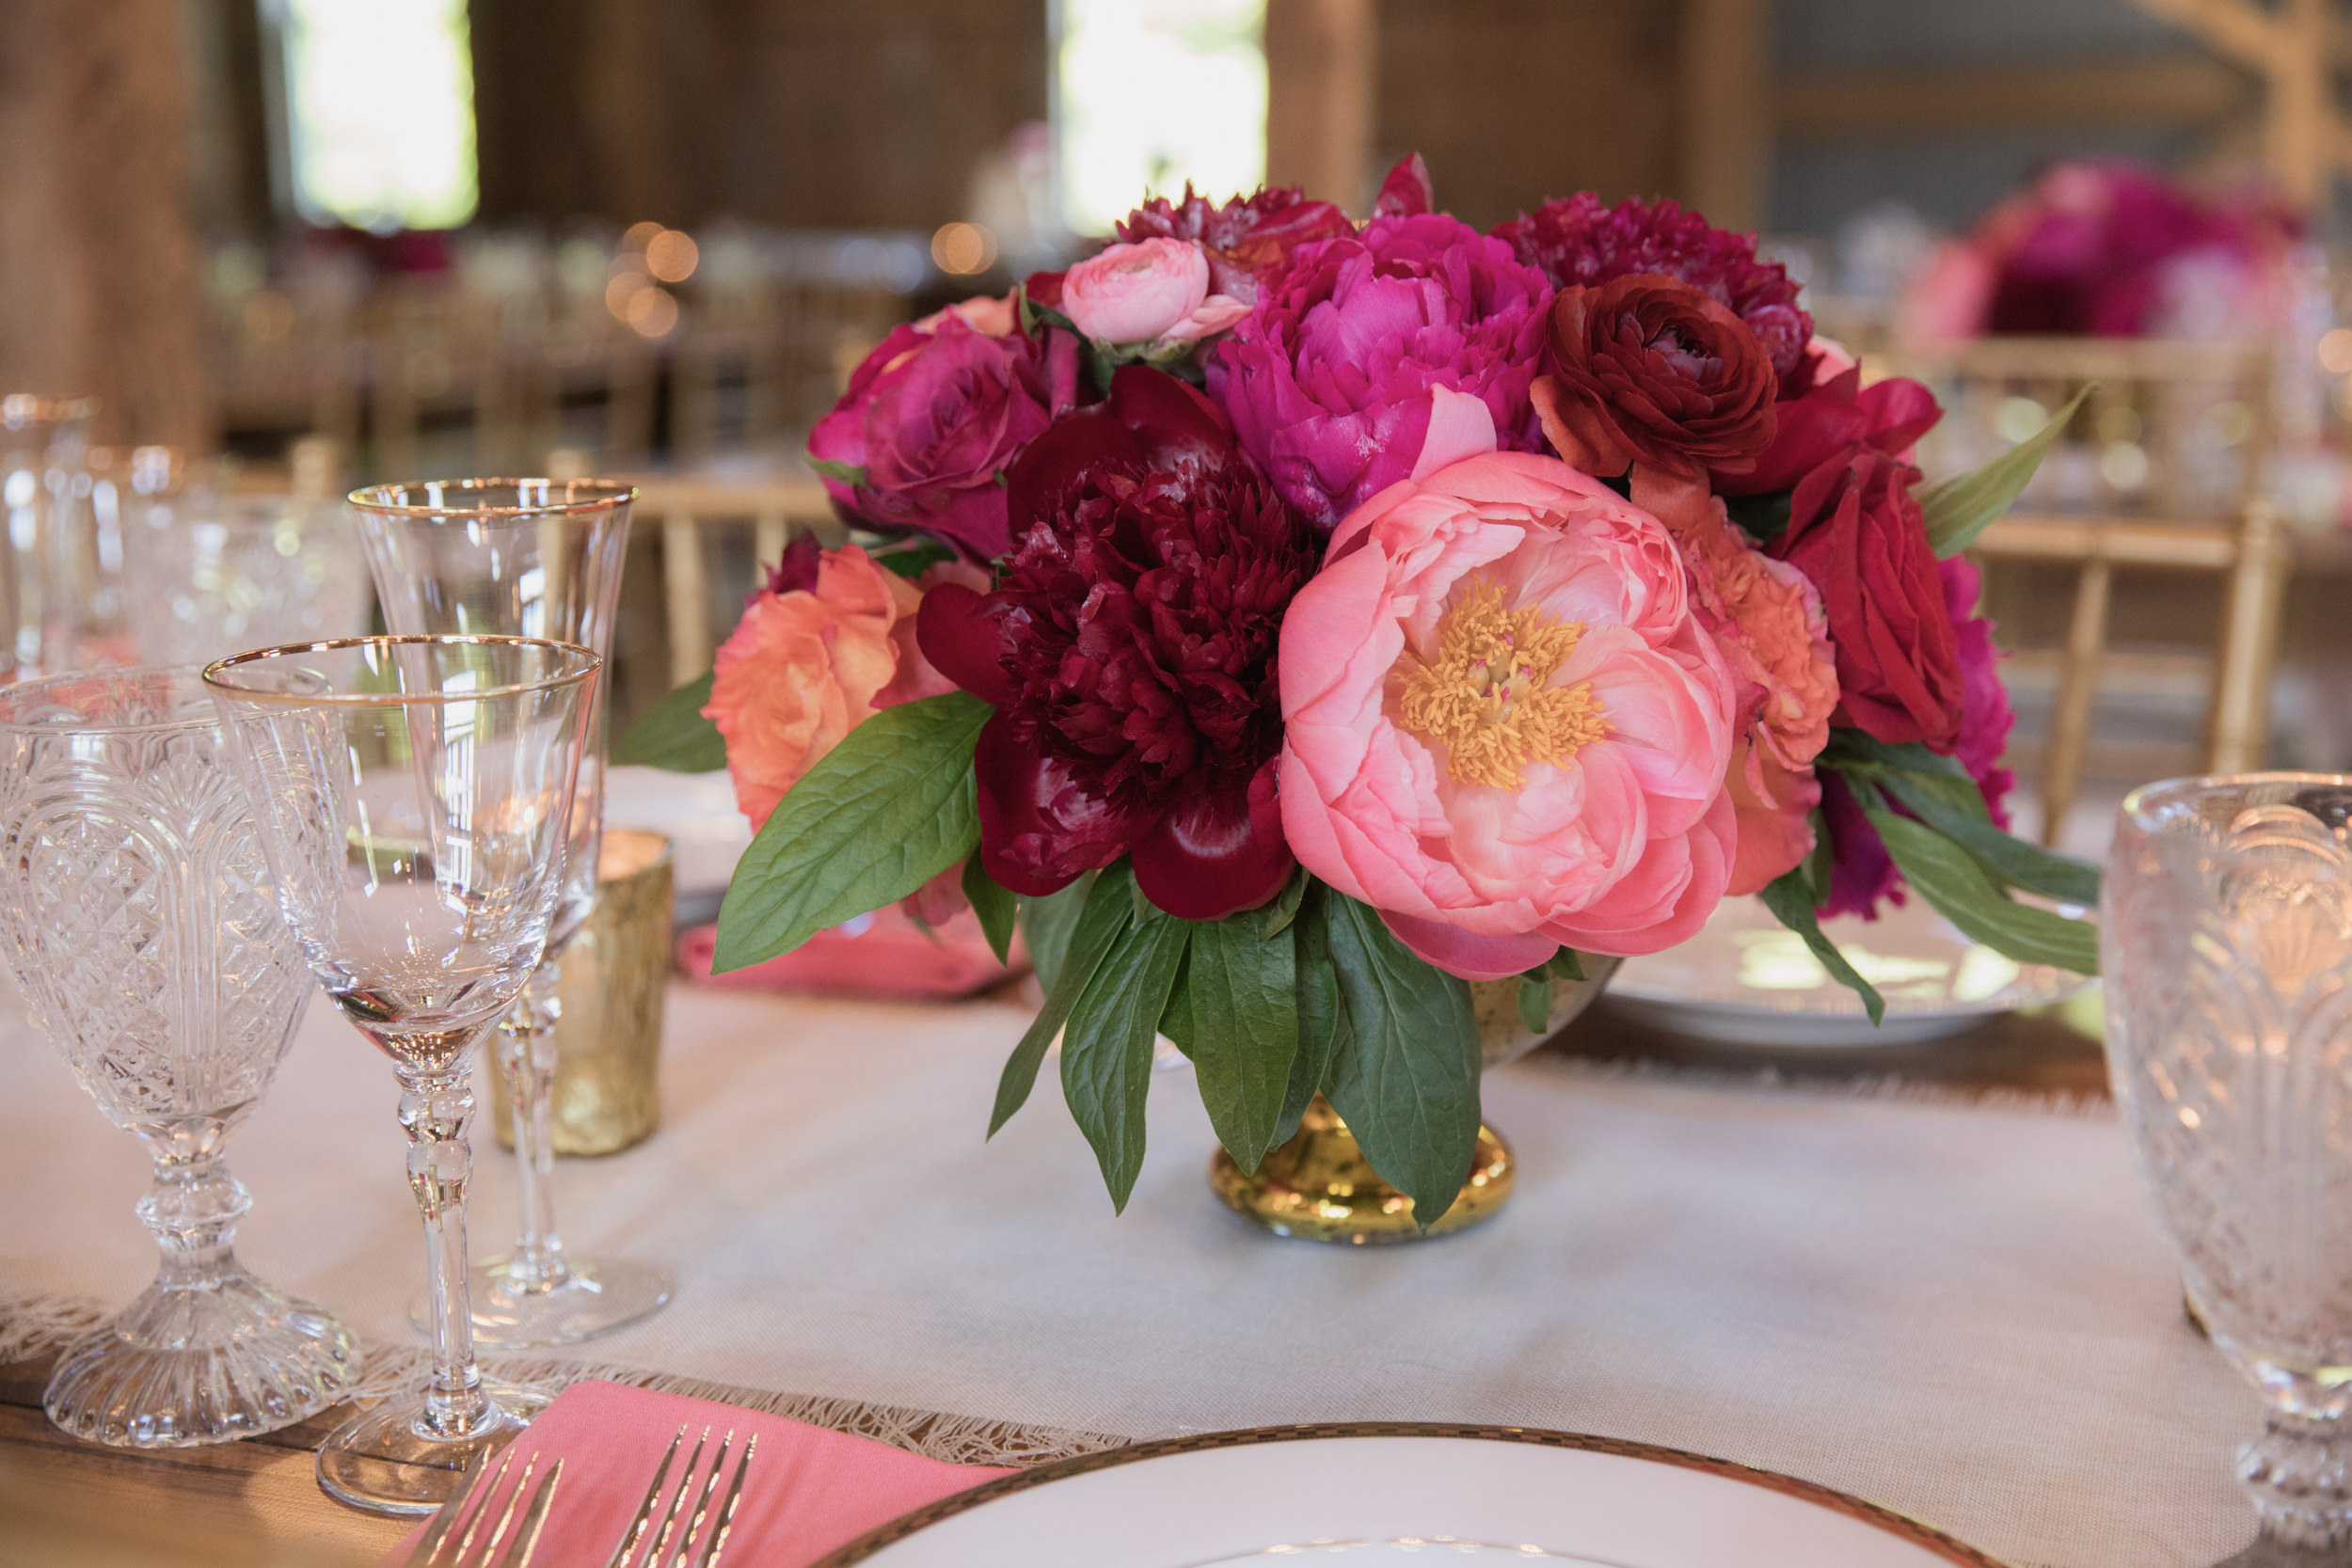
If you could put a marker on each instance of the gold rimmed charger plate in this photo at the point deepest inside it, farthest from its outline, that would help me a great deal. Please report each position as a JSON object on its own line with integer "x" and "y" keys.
{"x": 985, "y": 1532}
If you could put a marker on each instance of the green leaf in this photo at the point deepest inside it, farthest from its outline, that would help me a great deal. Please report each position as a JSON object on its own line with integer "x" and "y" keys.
{"x": 1243, "y": 1014}
{"x": 883, "y": 813}
{"x": 1958, "y": 509}
{"x": 1099, "y": 919}
{"x": 852, "y": 474}
{"x": 1790, "y": 899}
{"x": 1322, "y": 1017}
{"x": 1567, "y": 965}
{"x": 1948, "y": 877}
{"x": 1280, "y": 913}
{"x": 1535, "y": 1002}
{"x": 1850, "y": 750}
{"x": 912, "y": 559}
{"x": 1406, "y": 1075}
{"x": 1047, "y": 922}
{"x": 1106, "y": 1050}
{"x": 1176, "y": 1020}
{"x": 993, "y": 904}
{"x": 1765, "y": 516}
{"x": 673, "y": 733}
{"x": 1820, "y": 866}
{"x": 2021, "y": 864}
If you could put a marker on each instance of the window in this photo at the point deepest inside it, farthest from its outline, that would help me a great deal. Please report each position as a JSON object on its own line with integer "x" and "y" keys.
{"x": 380, "y": 97}
{"x": 1152, "y": 93}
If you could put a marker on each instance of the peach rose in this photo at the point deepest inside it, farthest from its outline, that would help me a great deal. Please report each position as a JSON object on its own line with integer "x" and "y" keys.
{"x": 1153, "y": 292}
{"x": 1505, "y": 728}
{"x": 805, "y": 667}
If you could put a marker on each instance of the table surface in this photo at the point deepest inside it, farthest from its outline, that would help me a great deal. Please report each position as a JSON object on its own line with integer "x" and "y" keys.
{"x": 1710, "y": 1250}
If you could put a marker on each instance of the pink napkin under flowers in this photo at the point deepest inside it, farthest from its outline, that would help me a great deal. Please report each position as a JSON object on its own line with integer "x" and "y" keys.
{"x": 809, "y": 1492}
{"x": 883, "y": 955}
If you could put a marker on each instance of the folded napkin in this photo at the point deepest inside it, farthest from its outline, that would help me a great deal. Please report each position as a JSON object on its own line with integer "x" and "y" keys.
{"x": 883, "y": 955}
{"x": 809, "y": 1491}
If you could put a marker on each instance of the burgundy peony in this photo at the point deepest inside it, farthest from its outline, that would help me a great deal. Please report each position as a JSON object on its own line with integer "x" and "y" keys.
{"x": 932, "y": 419}
{"x": 1814, "y": 427}
{"x": 1650, "y": 371}
{"x": 1328, "y": 380}
{"x": 1129, "y": 650}
{"x": 1856, "y": 532}
{"x": 1243, "y": 237}
{"x": 1578, "y": 241}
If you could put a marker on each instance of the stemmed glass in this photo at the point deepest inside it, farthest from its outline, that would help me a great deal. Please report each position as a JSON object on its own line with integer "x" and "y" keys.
{"x": 412, "y": 794}
{"x": 525, "y": 557}
{"x": 2227, "y": 944}
{"x": 138, "y": 914}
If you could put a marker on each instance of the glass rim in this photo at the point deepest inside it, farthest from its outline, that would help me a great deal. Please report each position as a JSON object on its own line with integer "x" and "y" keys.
{"x": 2137, "y": 804}
{"x": 220, "y": 666}
{"x": 604, "y": 494}
{"x": 199, "y": 720}
{"x": 23, "y": 408}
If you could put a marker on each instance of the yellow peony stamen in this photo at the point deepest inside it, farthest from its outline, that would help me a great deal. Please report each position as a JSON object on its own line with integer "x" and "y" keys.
{"x": 1484, "y": 698}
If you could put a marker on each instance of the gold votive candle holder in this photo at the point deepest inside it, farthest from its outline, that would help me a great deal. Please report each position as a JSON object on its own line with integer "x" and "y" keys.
{"x": 608, "y": 1036}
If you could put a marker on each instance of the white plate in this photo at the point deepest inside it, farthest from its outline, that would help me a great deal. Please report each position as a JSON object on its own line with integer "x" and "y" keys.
{"x": 1746, "y": 979}
{"x": 697, "y": 812}
{"x": 1376, "y": 1495}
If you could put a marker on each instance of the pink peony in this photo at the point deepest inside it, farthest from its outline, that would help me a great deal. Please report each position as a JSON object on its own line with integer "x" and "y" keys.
{"x": 1329, "y": 380}
{"x": 806, "y": 666}
{"x": 1506, "y": 729}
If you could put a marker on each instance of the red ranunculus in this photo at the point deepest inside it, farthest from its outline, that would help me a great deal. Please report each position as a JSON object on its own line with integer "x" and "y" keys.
{"x": 1855, "y": 530}
{"x": 1129, "y": 650}
{"x": 1244, "y": 237}
{"x": 933, "y": 417}
{"x": 1651, "y": 371}
{"x": 1828, "y": 418}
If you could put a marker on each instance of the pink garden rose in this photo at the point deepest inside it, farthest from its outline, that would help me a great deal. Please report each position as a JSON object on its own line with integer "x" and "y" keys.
{"x": 1506, "y": 729}
{"x": 1151, "y": 291}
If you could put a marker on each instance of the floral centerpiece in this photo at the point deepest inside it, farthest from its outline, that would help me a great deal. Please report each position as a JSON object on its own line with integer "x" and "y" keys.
{"x": 1292, "y": 621}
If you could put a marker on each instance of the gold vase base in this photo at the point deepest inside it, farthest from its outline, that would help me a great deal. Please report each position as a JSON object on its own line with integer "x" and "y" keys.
{"x": 1318, "y": 1187}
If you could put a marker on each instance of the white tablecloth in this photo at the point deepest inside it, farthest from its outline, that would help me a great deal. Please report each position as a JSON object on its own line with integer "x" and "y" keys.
{"x": 1959, "y": 1313}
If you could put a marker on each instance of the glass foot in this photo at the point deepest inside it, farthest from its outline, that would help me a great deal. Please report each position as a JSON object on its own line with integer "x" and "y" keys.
{"x": 598, "y": 1296}
{"x": 182, "y": 1366}
{"x": 385, "y": 1461}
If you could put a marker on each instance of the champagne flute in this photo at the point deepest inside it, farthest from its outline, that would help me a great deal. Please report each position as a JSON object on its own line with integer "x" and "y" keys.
{"x": 525, "y": 557}
{"x": 412, "y": 794}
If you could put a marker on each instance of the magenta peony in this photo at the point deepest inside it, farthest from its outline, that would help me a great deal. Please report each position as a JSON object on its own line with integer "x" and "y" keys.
{"x": 932, "y": 419}
{"x": 1577, "y": 241}
{"x": 1505, "y": 728}
{"x": 1243, "y": 237}
{"x": 1329, "y": 380}
{"x": 1129, "y": 652}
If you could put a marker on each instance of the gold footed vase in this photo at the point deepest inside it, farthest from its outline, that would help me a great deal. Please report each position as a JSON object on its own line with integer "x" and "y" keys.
{"x": 1318, "y": 1187}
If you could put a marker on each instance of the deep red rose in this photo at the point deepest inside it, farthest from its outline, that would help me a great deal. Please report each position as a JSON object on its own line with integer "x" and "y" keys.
{"x": 1650, "y": 371}
{"x": 1854, "y": 529}
{"x": 933, "y": 417}
{"x": 1830, "y": 416}
{"x": 1578, "y": 241}
{"x": 1243, "y": 237}
{"x": 1129, "y": 650}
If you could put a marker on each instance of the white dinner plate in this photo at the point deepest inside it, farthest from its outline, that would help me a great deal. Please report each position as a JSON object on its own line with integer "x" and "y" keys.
{"x": 1746, "y": 979}
{"x": 1380, "y": 1495}
{"x": 707, "y": 834}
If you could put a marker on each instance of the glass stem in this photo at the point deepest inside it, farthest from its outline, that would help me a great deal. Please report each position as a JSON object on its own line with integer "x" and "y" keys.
{"x": 526, "y": 1045}
{"x": 2299, "y": 1474}
{"x": 435, "y": 1108}
{"x": 192, "y": 1208}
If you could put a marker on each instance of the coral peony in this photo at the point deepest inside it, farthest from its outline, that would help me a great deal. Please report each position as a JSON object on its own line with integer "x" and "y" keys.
{"x": 806, "y": 665}
{"x": 1579, "y": 242}
{"x": 1244, "y": 237}
{"x": 932, "y": 420}
{"x": 1329, "y": 380}
{"x": 1129, "y": 653}
{"x": 1650, "y": 371}
{"x": 1506, "y": 729}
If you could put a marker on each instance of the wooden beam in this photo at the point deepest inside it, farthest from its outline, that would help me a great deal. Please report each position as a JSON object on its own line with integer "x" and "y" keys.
{"x": 1322, "y": 57}
{"x": 2234, "y": 29}
{"x": 2299, "y": 123}
{"x": 2184, "y": 90}
{"x": 1727, "y": 109}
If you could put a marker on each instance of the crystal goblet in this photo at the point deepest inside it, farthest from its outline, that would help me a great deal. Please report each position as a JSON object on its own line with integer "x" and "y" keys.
{"x": 525, "y": 557}
{"x": 2227, "y": 945}
{"x": 412, "y": 794}
{"x": 138, "y": 917}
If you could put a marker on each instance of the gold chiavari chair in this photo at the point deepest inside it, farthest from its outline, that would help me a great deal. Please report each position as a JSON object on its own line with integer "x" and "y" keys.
{"x": 2159, "y": 473}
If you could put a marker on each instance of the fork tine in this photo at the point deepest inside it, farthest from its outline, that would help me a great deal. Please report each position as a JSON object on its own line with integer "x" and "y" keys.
{"x": 727, "y": 1509}
{"x": 702, "y": 1502}
{"x": 669, "y": 1517}
{"x": 438, "y": 1529}
{"x": 628, "y": 1549}
{"x": 485, "y": 1492}
{"x": 514, "y": 1497}
{"x": 527, "y": 1536}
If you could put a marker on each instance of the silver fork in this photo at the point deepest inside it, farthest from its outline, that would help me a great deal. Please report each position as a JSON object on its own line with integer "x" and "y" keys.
{"x": 714, "y": 1541}
{"x": 470, "y": 1505}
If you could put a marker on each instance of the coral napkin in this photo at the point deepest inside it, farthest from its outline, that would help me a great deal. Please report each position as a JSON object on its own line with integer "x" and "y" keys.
{"x": 883, "y": 955}
{"x": 810, "y": 1490}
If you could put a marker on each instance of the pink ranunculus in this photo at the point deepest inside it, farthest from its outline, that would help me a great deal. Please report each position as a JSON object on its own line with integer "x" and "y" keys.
{"x": 1329, "y": 380}
{"x": 1506, "y": 729}
{"x": 1136, "y": 294}
{"x": 806, "y": 666}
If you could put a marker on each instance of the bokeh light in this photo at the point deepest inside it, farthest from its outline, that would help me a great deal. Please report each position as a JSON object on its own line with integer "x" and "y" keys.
{"x": 963, "y": 248}
{"x": 671, "y": 256}
{"x": 652, "y": 311}
{"x": 1203, "y": 119}
{"x": 2335, "y": 352}
{"x": 382, "y": 129}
